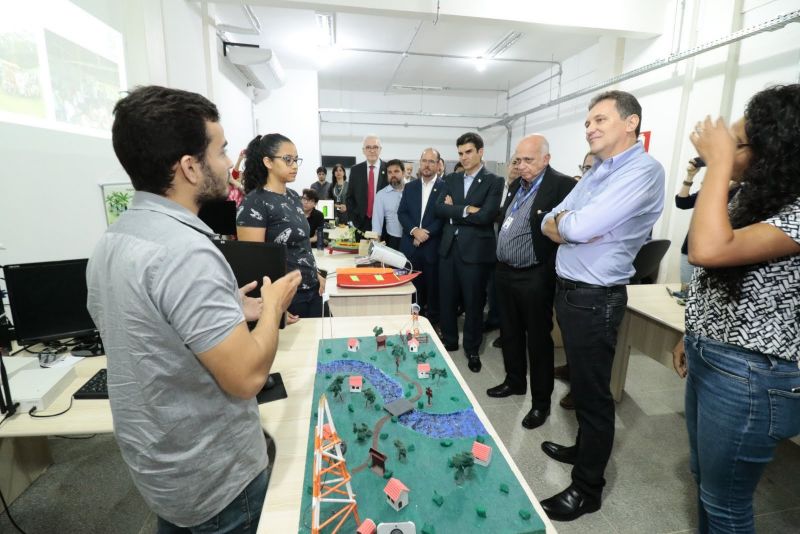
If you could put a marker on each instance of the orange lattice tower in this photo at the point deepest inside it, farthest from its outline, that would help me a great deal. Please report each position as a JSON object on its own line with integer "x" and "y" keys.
{"x": 331, "y": 478}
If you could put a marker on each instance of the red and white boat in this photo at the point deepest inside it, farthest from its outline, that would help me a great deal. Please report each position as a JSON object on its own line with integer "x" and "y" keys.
{"x": 366, "y": 277}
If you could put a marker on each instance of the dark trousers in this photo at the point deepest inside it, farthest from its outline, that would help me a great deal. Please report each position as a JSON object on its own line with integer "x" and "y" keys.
{"x": 589, "y": 319}
{"x": 427, "y": 284}
{"x": 469, "y": 280}
{"x": 392, "y": 241}
{"x": 525, "y": 299}
{"x": 308, "y": 303}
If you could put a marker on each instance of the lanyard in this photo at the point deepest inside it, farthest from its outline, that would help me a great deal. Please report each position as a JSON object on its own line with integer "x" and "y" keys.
{"x": 519, "y": 201}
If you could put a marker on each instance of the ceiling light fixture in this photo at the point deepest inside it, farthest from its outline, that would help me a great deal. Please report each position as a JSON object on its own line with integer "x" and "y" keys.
{"x": 419, "y": 87}
{"x": 480, "y": 64}
{"x": 504, "y": 44}
{"x": 326, "y": 29}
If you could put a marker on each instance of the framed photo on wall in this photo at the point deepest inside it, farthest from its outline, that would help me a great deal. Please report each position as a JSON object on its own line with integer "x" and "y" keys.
{"x": 116, "y": 199}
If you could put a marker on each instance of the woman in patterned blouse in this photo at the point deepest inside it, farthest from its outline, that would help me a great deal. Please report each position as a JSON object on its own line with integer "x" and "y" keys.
{"x": 742, "y": 340}
{"x": 273, "y": 213}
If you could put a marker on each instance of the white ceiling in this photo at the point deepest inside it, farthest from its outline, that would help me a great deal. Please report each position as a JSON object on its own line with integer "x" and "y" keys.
{"x": 291, "y": 33}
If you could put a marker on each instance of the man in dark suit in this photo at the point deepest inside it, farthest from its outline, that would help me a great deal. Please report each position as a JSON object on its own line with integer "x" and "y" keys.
{"x": 422, "y": 231}
{"x": 468, "y": 204}
{"x": 366, "y": 179}
{"x": 525, "y": 277}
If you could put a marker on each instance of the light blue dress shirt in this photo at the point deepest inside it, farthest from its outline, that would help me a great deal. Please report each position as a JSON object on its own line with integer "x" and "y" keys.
{"x": 612, "y": 210}
{"x": 386, "y": 203}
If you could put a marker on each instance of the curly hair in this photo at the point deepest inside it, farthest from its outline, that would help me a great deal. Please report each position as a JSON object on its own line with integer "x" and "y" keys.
{"x": 772, "y": 179}
{"x": 262, "y": 146}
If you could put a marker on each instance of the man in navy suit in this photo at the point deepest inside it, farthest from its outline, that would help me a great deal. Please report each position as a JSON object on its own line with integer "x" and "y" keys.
{"x": 366, "y": 179}
{"x": 468, "y": 204}
{"x": 422, "y": 230}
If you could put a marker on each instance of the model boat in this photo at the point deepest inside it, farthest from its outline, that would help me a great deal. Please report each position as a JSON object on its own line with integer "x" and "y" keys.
{"x": 369, "y": 277}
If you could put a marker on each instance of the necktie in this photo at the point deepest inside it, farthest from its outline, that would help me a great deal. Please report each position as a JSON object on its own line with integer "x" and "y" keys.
{"x": 370, "y": 190}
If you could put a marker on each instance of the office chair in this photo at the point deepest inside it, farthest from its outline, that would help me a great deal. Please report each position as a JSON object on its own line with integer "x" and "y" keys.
{"x": 647, "y": 261}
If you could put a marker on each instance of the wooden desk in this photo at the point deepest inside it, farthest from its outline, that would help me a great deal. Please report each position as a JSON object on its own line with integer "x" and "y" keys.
{"x": 288, "y": 421}
{"x": 348, "y": 302}
{"x": 653, "y": 324}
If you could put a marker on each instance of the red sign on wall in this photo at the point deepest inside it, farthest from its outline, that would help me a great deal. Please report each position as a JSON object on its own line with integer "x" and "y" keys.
{"x": 644, "y": 137}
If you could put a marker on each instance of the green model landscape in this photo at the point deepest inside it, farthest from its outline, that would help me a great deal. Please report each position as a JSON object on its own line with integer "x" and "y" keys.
{"x": 428, "y": 449}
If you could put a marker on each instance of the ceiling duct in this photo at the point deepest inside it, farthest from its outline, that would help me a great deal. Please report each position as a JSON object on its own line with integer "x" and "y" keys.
{"x": 259, "y": 66}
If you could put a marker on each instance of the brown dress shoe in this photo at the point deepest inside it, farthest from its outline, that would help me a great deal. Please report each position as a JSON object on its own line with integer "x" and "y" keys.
{"x": 567, "y": 403}
{"x": 561, "y": 372}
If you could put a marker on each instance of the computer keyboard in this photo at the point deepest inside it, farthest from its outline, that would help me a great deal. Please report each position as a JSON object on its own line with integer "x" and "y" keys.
{"x": 95, "y": 388}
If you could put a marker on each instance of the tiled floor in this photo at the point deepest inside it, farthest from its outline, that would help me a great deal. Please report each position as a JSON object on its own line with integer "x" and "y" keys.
{"x": 649, "y": 486}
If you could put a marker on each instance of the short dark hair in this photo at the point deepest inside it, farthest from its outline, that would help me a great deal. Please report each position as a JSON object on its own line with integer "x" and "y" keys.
{"x": 626, "y": 103}
{"x": 262, "y": 146}
{"x": 323, "y": 170}
{"x": 470, "y": 137}
{"x": 397, "y": 162}
{"x": 310, "y": 194}
{"x": 154, "y": 127}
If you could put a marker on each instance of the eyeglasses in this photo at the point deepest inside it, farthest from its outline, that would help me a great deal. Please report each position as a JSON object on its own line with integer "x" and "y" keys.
{"x": 288, "y": 160}
{"x": 372, "y": 147}
{"x": 584, "y": 168}
{"x": 526, "y": 161}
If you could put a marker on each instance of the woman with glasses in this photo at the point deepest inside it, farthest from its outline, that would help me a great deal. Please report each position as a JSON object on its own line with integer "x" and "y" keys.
{"x": 339, "y": 193}
{"x": 273, "y": 213}
{"x": 741, "y": 351}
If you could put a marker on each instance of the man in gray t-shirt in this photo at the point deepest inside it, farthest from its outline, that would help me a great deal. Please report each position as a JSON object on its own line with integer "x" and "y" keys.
{"x": 183, "y": 369}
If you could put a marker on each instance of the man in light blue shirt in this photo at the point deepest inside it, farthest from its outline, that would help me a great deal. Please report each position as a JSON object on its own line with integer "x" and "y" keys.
{"x": 601, "y": 225}
{"x": 384, "y": 213}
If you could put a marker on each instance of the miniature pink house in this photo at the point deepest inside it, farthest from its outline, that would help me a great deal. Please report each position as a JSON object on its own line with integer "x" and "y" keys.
{"x": 396, "y": 494}
{"x": 423, "y": 370}
{"x": 413, "y": 345}
{"x": 356, "y": 381}
{"x": 353, "y": 344}
{"x": 482, "y": 453}
{"x": 367, "y": 527}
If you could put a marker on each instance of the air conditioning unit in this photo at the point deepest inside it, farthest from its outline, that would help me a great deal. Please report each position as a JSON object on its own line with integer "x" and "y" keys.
{"x": 259, "y": 66}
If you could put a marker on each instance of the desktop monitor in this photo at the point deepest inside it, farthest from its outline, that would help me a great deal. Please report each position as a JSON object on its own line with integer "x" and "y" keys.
{"x": 326, "y": 207}
{"x": 253, "y": 261}
{"x": 220, "y": 216}
{"x": 48, "y": 300}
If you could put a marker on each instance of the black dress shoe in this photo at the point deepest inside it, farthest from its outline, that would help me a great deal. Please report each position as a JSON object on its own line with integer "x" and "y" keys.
{"x": 451, "y": 346}
{"x": 563, "y": 454}
{"x": 474, "y": 363}
{"x": 505, "y": 389}
{"x": 568, "y": 403}
{"x": 535, "y": 418}
{"x": 498, "y": 343}
{"x": 568, "y": 505}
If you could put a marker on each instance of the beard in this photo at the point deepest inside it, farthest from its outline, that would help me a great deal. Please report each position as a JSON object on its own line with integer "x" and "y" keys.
{"x": 213, "y": 187}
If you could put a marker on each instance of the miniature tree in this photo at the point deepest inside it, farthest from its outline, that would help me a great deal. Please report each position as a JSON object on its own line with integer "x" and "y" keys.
{"x": 362, "y": 432}
{"x": 429, "y": 393}
{"x": 402, "y": 451}
{"x": 439, "y": 373}
{"x": 377, "y": 331}
{"x": 463, "y": 462}
{"x": 336, "y": 387}
{"x": 369, "y": 396}
{"x": 421, "y": 357}
{"x": 399, "y": 352}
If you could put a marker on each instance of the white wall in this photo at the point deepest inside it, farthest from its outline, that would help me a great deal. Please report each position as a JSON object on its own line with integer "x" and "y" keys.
{"x": 673, "y": 98}
{"x": 406, "y": 142}
{"x": 292, "y": 111}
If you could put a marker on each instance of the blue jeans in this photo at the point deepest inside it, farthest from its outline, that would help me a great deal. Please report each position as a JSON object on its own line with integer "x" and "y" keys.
{"x": 739, "y": 405}
{"x": 240, "y": 516}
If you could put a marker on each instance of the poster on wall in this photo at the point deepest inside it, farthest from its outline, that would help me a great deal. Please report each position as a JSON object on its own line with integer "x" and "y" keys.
{"x": 644, "y": 137}
{"x": 116, "y": 199}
